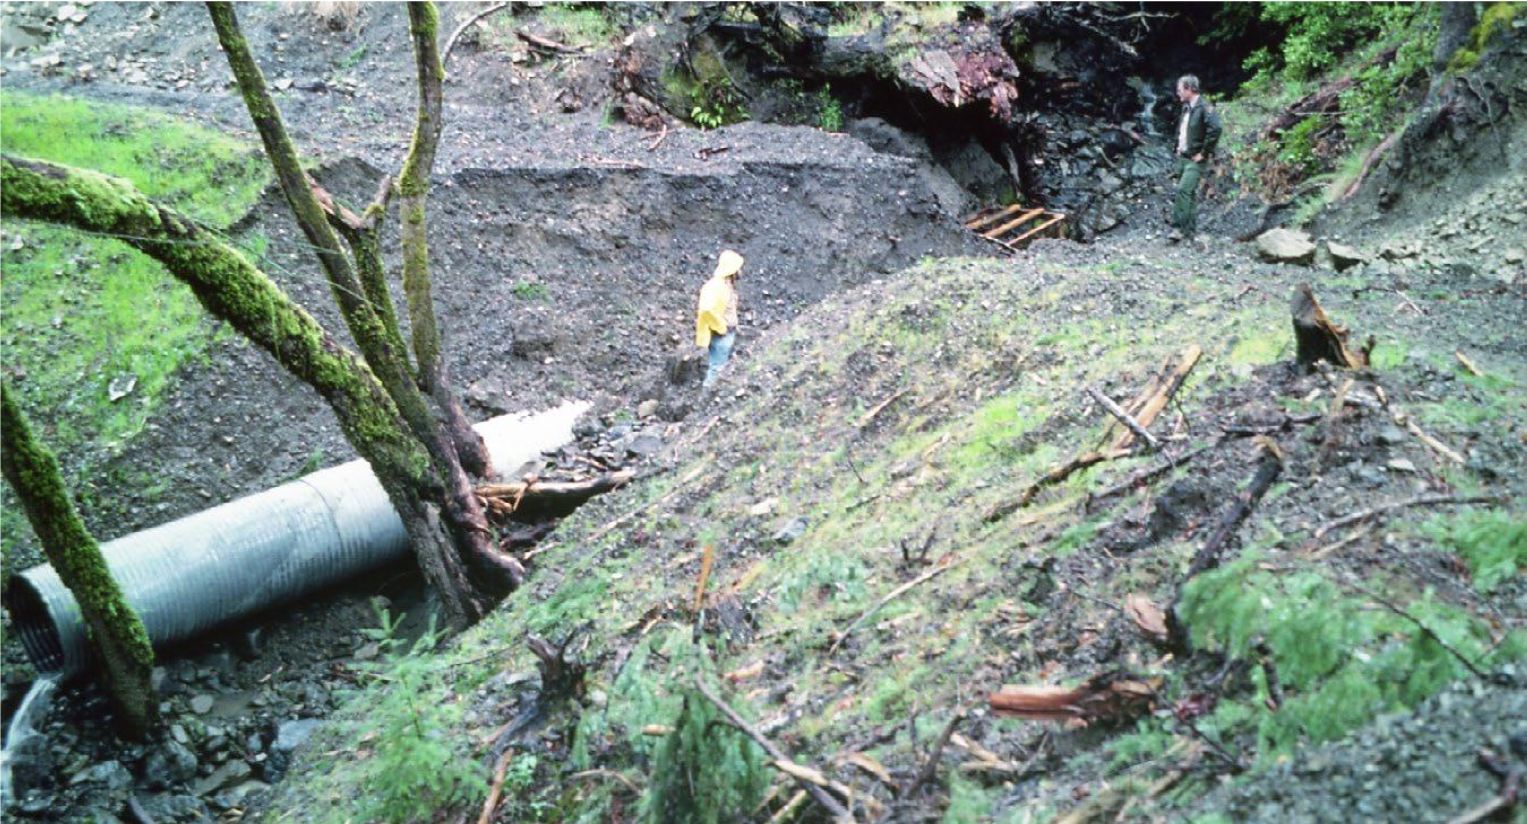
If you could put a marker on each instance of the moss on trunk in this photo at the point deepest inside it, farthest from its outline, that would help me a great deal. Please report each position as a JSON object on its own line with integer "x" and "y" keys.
{"x": 413, "y": 195}
{"x": 231, "y": 288}
{"x": 116, "y": 631}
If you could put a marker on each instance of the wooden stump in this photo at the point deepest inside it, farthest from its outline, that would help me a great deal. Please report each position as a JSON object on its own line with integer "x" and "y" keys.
{"x": 1318, "y": 338}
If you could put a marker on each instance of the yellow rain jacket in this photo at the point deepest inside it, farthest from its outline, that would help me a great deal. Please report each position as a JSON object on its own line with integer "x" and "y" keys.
{"x": 716, "y": 297}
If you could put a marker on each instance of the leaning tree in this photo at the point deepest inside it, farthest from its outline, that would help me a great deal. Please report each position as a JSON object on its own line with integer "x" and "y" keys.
{"x": 399, "y": 415}
{"x": 116, "y": 631}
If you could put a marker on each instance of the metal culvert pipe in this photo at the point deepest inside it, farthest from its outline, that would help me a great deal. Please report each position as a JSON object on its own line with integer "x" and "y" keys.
{"x": 188, "y": 576}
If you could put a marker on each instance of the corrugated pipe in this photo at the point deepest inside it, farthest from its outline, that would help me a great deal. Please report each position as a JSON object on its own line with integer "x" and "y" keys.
{"x": 188, "y": 576}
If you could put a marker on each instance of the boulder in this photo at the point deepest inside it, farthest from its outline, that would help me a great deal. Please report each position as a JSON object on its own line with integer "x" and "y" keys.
{"x": 1285, "y": 246}
{"x": 1344, "y": 257}
{"x": 170, "y": 764}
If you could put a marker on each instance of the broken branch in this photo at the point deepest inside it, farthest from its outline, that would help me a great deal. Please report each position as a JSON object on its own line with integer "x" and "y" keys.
{"x": 802, "y": 775}
{"x": 445, "y": 56}
{"x": 1423, "y": 500}
{"x": 891, "y": 596}
{"x": 1124, "y": 417}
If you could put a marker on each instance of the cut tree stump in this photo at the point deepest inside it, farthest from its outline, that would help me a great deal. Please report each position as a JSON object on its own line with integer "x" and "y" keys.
{"x": 1318, "y": 338}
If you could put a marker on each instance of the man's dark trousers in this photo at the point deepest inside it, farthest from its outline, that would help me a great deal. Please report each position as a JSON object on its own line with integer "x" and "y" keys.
{"x": 1185, "y": 207}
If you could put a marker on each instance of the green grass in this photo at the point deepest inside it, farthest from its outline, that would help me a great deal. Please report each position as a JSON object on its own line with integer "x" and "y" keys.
{"x": 83, "y": 311}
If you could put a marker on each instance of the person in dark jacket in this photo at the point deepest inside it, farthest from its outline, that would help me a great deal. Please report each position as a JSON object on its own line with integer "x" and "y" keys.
{"x": 1197, "y": 134}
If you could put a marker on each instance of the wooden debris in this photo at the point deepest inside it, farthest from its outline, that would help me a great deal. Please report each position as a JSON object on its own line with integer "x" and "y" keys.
{"x": 450, "y": 43}
{"x": 789, "y": 810}
{"x": 1159, "y": 392}
{"x": 1125, "y": 418}
{"x": 1269, "y": 466}
{"x": 652, "y": 147}
{"x": 930, "y": 765}
{"x": 877, "y": 409}
{"x": 1510, "y": 790}
{"x": 496, "y": 789}
{"x": 1328, "y": 443}
{"x": 1054, "y": 476}
{"x": 1426, "y": 630}
{"x": 1467, "y": 364}
{"x": 1146, "y": 615}
{"x": 891, "y": 596}
{"x": 545, "y": 44}
{"x": 536, "y": 498}
{"x": 983, "y": 760}
{"x": 1423, "y": 500}
{"x": 810, "y": 780}
{"x": 1147, "y": 474}
{"x": 870, "y": 765}
{"x": 1317, "y": 337}
{"x": 1111, "y": 697}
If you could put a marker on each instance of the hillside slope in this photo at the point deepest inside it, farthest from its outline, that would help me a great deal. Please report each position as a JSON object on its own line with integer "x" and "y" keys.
{"x": 862, "y": 450}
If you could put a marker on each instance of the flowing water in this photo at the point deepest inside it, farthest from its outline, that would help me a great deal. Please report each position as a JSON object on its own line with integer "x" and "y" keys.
{"x": 28, "y": 717}
{"x": 1148, "y": 100}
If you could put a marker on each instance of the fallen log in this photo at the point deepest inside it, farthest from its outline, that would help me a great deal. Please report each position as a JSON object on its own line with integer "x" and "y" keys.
{"x": 1317, "y": 337}
{"x": 1054, "y": 476}
{"x": 1159, "y": 393}
{"x": 1269, "y": 466}
{"x": 1112, "y": 696}
{"x": 536, "y": 498}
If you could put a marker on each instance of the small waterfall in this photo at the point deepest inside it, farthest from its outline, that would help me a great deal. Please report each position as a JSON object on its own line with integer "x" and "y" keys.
{"x": 1147, "y": 116}
{"x": 29, "y": 715}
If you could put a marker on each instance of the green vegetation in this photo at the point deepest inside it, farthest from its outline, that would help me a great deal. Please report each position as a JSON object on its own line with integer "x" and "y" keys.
{"x": 1496, "y": 17}
{"x": 829, "y": 111}
{"x": 528, "y": 290}
{"x": 94, "y": 331}
{"x": 1493, "y": 543}
{"x": 405, "y": 756}
{"x": 576, "y": 24}
{"x": 706, "y": 91}
{"x": 1385, "y": 48}
{"x": 1341, "y": 661}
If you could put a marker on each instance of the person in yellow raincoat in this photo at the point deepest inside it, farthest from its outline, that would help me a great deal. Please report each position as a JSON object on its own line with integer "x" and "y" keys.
{"x": 716, "y": 319}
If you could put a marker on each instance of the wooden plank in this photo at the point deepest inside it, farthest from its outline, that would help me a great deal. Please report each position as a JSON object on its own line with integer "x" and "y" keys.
{"x": 980, "y": 222}
{"x": 1034, "y": 231}
{"x": 1014, "y": 223}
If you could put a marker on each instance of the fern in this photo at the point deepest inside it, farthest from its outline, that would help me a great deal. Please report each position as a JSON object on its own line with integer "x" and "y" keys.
{"x": 1493, "y": 544}
{"x": 414, "y": 769}
{"x": 1341, "y": 660}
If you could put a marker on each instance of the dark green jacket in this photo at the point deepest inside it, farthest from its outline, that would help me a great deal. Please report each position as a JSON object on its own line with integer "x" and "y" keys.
{"x": 1203, "y": 130}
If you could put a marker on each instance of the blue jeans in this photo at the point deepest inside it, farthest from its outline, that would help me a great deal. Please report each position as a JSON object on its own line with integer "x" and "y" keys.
{"x": 720, "y": 351}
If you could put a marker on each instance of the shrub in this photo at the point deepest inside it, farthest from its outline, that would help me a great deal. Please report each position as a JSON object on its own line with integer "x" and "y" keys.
{"x": 414, "y": 770}
{"x": 1493, "y": 544}
{"x": 1341, "y": 659}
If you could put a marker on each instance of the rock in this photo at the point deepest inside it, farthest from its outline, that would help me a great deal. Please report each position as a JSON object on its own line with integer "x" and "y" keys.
{"x": 293, "y": 734}
{"x": 109, "y": 774}
{"x": 31, "y": 763}
{"x": 1390, "y": 435}
{"x": 644, "y": 444}
{"x": 1285, "y": 246}
{"x": 646, "y": 408}
{"x": 179, "y": 733}
{"x": 234, "y": 772}
{"x": 170, "y": 764}
{"x": 791, "y": 531}
{"x": 202, "y": 704}
{"x": 167, "y": 807}
{"x": 1344, "y": 257}
{"x": 1402, "y": 465}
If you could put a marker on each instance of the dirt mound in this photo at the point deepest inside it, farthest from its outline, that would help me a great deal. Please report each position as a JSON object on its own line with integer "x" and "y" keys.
{"x": 844, "y": 480}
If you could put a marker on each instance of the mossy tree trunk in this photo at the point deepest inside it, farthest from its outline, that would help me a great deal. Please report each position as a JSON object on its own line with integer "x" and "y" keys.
{"x": 1457, "y": 26}
{"x": 368, "y": 314}
{"x": 413, "y": 196}
{"x": 232, "y": 289}
{"x": 116, "y": 631}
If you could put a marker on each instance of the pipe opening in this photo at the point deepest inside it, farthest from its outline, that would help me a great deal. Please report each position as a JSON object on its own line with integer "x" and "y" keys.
{"x": 34, "y": 623}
